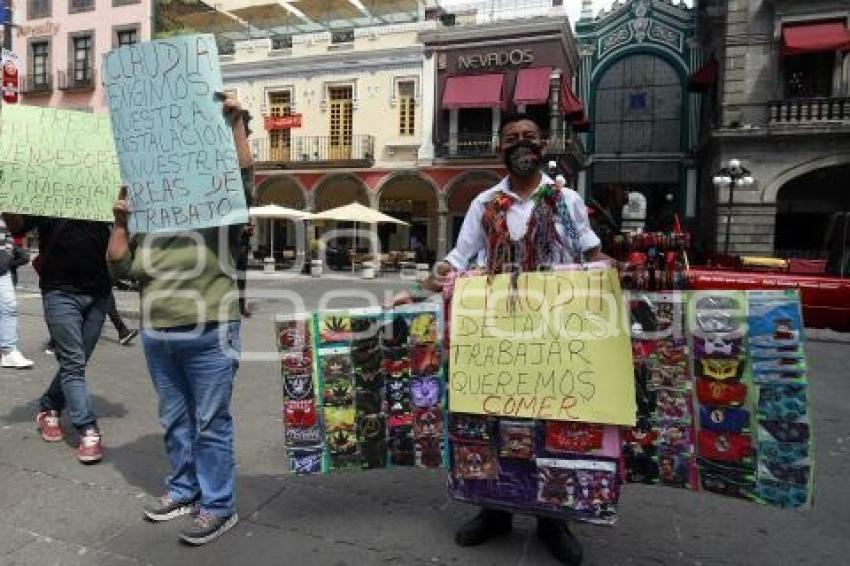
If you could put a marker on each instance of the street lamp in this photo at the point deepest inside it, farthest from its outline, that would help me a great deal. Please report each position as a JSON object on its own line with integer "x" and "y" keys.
{"x": 732, "y": 176}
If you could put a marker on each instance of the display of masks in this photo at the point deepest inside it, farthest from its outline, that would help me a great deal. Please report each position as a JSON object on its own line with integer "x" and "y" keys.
{"x": 351, "y": 400}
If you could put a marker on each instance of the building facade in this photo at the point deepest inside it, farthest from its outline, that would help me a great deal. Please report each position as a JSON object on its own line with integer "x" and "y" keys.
{"x": 781, "y": 106}
{"x": 350, "y": 102}
{"x": 636, "y": 61}
{"x": 61, "y": 45}
{"x": 481, "y": 69}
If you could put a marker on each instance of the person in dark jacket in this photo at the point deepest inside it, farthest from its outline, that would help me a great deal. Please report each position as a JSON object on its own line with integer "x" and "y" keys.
{"x": 11, "y": 257}
{"x": 75, "y": 287}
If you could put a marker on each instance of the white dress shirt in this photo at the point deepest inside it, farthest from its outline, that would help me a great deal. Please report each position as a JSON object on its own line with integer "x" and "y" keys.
{"x": 471, "y": 240}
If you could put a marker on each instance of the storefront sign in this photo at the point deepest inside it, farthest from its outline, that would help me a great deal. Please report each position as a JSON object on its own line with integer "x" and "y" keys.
{"x": 9, "y": 64}
{"x": 282, "y": 122}
{"x": 47, "y": 28}
{"x": 513, "y": 57}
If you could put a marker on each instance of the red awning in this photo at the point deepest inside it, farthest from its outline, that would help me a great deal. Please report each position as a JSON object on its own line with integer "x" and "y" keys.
{"x": 706, "y": 77}
{"x": 815, "y": 38}
{"x": 571, "y": 106}
{"x": 532, "y": 86}
{"x": 474, "y": 91}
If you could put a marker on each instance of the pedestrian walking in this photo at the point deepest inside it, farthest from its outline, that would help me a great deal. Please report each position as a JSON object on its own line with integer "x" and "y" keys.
{"x": 11, "y": 257}
{"x": 190, "y": 335}
{"x": 242, "y": 268}
{"x": 125, "y": 333}
{"x": 75, "y": 286}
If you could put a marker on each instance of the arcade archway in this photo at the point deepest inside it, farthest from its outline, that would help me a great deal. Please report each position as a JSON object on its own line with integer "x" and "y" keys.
{"x": 411, "y": 198}
{"x": 281, "y": 190}
{"x": 813, "y": 218}
{"x": 460, "y": 192}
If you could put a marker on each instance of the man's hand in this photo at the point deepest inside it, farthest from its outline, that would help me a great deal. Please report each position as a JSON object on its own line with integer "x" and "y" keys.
{"x": 121, "y": 208}
{"x": 438, "y": 277}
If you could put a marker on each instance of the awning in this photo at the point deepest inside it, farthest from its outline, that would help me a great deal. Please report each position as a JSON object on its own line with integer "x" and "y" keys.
{"x": 474, "y": 91}
{"x": 532, "y": 86}
{"x": 705, "y": 77}
{"x": 815, "y": 38}
{"x": 571, "y": 106}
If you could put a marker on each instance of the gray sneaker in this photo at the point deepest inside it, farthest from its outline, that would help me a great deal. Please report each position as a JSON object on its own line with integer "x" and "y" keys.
{"x": 165, "y": 509}
{"x": 207, "y": 527}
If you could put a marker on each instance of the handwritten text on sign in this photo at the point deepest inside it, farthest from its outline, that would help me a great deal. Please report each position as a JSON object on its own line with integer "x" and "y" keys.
{"x": 175, "y": 148}
{"x": 59, "y": 163}
{"x": 554, "y": 348}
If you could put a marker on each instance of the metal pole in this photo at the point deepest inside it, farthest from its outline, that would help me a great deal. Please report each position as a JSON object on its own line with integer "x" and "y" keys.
{"x": 7, "y": 28}
{"x": 729, "y": 215}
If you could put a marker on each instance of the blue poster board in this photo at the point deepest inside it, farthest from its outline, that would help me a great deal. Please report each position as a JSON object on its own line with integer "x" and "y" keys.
{"x": 175, "y": 148}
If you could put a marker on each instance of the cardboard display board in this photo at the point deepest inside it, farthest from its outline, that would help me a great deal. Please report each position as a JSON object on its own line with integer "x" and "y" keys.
{"x": 363, "y": 389}
{"x": 58, "y": 163}
{"x": 175, "y": 149}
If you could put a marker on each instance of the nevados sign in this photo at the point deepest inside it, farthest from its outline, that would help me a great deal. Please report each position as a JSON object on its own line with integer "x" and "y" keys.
{"x": 514, "y": 57}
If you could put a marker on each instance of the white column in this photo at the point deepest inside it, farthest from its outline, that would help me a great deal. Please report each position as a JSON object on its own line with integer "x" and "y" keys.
{"x": 497, "y": 121}
{"x": 428, "y": 116}
{"x": 581, "y": 185}
{"x": 453, "y": 127}
{"x": 691, "y": 193}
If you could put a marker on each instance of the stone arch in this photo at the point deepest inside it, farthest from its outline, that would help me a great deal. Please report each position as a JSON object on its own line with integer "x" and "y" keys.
{"x": 459, "y": 194}
{"x": 347, "y": 188}
{"x": 485, "y": 178}
{"x": 414, "y": 198}
{"x": 668, "y": 55}
{"x": 772, "y": 187}
{"x": 283, "y": 190}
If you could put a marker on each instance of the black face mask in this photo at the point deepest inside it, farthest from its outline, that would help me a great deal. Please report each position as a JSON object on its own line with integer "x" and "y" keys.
{"x": 523, "y": 159}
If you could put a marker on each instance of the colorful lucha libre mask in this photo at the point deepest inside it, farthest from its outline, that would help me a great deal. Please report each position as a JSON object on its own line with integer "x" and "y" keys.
{"x": 298, "y": 387}
{"x": 427, "y": 422}
{"x": 425, "y": 391}
{"x": 297, "y": 362}
{"x": 425, "y": 359}
{"x": 300, "y": 414}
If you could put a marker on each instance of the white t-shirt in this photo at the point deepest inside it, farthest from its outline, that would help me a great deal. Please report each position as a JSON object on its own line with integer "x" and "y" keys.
{"x": 471, "y": 240}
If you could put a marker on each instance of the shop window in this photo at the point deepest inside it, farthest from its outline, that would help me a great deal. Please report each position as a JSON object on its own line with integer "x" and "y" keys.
{"x": 809, "y": 75}
{"x": 407, "y": 108}
{"x": 280, "y": 104}
{"x": 40, "y": 78}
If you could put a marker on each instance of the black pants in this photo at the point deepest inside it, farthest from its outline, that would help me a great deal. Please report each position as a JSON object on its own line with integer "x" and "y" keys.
{"x": 114, "y": 315}
{"x": 241, "y": 284}
{"x": 545, "y": 524}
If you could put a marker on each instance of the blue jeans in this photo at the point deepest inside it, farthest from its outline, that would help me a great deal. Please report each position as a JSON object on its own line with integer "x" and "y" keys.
{"x": 8, "y": 315}
{"x": 74, "y": 322}
{"x": 193, "y": 371}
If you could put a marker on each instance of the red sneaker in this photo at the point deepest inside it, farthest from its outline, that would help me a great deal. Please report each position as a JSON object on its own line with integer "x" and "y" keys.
{"x": 90, "y": 449}
{"x": 48, "y": 426}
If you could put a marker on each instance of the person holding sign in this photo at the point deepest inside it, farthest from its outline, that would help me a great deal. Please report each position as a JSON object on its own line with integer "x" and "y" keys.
{"x": 526, "y": 222}
{"x": 190, "y": 335}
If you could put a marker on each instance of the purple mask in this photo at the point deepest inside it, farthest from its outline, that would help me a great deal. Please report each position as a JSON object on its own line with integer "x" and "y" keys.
{"x": 425, "y": 391}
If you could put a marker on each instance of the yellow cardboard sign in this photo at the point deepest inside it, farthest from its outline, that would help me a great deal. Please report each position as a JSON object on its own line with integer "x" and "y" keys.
{"x": 554, "y": 346}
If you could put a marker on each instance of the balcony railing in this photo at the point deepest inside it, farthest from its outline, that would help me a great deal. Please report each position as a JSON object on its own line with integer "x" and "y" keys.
{"x": 82, "y": 78}
{"x": 469, "y": 146}
{"x": 317, "y": 151}
{"x": 36, "y": 85}
{"x": 486, "y": 145}
{"x": 809, "y": 110}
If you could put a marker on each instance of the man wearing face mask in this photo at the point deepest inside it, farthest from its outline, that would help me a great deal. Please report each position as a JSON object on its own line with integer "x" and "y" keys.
{"x": 541, "y": 231}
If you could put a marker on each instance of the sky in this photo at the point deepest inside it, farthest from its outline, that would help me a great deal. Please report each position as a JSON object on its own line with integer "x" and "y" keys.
{"x": 573, "y": 7}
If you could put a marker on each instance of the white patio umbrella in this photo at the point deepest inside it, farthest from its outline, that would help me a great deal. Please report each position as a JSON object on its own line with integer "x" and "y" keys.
{"x": 275, "y": 212}
{"x": 359, "y": 214}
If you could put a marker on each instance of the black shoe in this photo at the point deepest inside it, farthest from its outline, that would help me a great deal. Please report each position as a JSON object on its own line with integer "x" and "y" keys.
{"x": 126, "y": 336}
{"x": 165, "y": 509}
{"x": 246, "y": 313}
{"x": 488, "y": 524}
{"x": 207, "y": 527}
{"x": 556, "y": 536}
